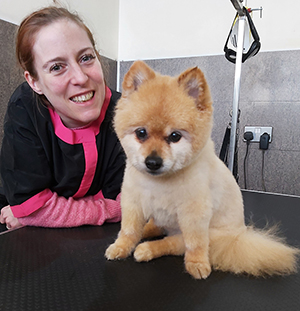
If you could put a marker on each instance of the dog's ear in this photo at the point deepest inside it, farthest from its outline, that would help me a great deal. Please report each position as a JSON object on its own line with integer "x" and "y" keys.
{"x": 138, "y": 73}
{"x": 194, "y": 83}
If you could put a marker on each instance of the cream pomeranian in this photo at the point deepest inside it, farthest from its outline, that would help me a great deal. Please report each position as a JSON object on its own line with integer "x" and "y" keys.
{"x": 175, "y": 183}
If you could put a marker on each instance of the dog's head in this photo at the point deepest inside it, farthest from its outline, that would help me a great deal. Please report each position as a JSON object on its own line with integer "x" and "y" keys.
{"x": 163, "y": 122}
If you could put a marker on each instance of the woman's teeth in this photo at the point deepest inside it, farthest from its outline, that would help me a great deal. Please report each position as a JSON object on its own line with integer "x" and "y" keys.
{"x": 82, "y": 98}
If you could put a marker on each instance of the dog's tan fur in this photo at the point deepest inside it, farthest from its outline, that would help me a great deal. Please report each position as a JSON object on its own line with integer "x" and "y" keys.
{"x": 192, "y": 196}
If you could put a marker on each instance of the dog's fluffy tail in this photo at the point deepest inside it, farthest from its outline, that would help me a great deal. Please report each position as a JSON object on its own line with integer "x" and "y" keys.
{"x": 252, "y": 251}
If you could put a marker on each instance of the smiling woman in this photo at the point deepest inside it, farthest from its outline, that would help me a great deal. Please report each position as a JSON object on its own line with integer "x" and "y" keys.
{"x": 61, "y": 162}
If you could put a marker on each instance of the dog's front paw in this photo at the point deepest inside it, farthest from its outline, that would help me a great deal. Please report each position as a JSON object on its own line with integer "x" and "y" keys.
{"x": 143, "y": 252}
{"x": 115, "y": 251}
{"x": 199, "y": 270}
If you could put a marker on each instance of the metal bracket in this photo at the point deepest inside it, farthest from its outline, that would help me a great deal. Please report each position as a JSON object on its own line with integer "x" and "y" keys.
{"x": 238, "y": 6}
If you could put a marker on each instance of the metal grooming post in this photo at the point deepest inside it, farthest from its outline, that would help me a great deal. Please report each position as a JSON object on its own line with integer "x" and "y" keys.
{"x": 237, "y": 79}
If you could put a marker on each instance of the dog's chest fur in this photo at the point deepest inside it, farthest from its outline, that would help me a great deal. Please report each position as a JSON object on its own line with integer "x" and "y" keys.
{"x": 162, "y": 210}
{"x": 161, "y": 198}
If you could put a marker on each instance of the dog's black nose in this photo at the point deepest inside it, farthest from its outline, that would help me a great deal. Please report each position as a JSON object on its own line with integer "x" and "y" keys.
{"x": 153, "y": 163}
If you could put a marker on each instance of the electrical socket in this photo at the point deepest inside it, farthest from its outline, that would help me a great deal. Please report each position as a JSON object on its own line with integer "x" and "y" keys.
{"x": 258, "y": 131}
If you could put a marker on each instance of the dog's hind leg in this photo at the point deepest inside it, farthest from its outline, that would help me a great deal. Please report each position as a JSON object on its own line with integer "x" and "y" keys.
{"x": 170, "y": 245}
{"x": 151, "y": 230}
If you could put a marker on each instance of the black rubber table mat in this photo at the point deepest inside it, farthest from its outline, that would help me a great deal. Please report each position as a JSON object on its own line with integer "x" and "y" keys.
{"x": 65, "y": 269}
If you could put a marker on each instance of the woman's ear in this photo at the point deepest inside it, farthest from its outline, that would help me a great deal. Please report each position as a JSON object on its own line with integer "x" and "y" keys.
{"x": 32, "y": 82}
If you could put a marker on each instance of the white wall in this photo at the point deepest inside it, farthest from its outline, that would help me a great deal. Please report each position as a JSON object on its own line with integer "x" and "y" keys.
{"x": 101, "y": 16}
{"x": 14, "y": 11}
{"x": 279, "y": 29}
{"x": 171, "y": 28}
{"x": 147, "y": 29}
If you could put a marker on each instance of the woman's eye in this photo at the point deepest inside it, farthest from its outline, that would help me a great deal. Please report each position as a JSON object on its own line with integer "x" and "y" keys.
{"x": 55, "y": 67}
{"x": 174, "y": 137}
{"x": 87, "y": 57}
{"x": 141, "y": 134}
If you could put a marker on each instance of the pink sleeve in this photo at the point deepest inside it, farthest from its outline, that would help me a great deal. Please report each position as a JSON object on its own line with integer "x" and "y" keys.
{"x": 61, "y": 212}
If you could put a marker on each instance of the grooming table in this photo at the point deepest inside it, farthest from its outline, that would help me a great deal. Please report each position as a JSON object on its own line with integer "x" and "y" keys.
{"x": 65, "y": 269}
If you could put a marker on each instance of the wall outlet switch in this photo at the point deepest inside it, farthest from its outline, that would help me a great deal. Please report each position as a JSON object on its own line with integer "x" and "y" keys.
{"x": 258, "y": 131}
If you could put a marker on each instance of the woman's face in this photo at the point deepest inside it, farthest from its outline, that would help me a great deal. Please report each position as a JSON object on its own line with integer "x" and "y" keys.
{"x": 69, "y": 73}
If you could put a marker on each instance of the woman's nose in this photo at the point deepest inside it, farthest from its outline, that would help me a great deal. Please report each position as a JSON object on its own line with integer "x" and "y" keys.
{"x": 78, "y": 75}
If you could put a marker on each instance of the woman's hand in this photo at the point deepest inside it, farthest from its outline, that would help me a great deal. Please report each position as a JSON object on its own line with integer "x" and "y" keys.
{"x": 7, "y": 217}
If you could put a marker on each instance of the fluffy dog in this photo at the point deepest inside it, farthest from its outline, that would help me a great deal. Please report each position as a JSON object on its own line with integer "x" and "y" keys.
{"x": 174, "y": 178}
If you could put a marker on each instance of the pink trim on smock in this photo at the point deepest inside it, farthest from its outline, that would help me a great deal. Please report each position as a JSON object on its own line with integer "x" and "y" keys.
{"x": 32, "y": 204}
{"x": 99, "y": 195}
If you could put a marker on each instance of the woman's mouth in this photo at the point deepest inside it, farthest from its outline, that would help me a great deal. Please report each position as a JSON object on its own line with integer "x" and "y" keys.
{"x": 82, "y": 98}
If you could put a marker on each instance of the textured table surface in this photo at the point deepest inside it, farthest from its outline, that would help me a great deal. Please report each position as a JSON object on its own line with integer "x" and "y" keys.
{"x": 65, "y": 269}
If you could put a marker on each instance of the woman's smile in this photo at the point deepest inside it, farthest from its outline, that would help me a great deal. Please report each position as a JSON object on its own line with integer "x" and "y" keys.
{"x": 82, "y": 98}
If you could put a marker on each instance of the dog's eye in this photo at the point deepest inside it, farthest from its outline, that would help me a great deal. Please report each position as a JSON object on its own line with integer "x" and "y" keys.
{"x": 141, "y": 134}
{"x": 174, "y": 137}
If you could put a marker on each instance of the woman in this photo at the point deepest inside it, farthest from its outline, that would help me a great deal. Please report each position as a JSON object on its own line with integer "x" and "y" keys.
{"x": 61, "y": 162}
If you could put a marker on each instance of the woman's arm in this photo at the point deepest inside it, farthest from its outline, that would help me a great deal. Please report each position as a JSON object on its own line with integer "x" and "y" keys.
{"x": 61, "y": 212}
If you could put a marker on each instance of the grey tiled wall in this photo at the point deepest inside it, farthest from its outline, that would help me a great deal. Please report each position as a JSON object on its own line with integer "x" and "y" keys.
{"x": 11, "y": 75}
{"x": 110, "y": 72}
{"x": 269, "y": 96}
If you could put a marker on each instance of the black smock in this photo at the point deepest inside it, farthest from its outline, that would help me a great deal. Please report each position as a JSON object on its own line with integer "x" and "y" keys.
{"x": 36, "y": 160}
